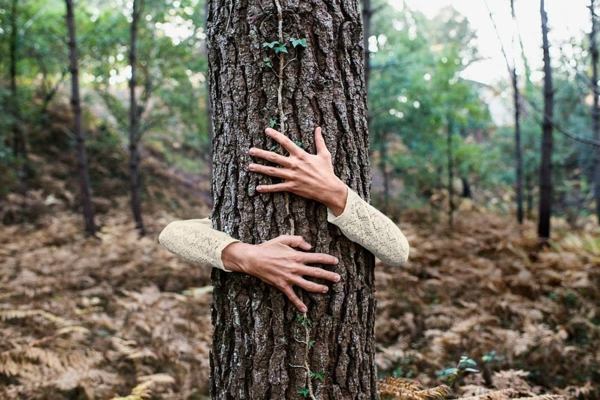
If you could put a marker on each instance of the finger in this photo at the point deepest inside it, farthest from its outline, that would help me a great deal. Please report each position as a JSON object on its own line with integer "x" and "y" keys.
{"x": 310, "y": 286}
{"x": 271, "y": 171}
{"x": 320, "y": 142}
{"x": 318, "y": 258}
{"x": 294, "y": 241}
{"x": 284, "y": 141}
{"x": 277, "y": 187}
{"x": 270, "y": 156}
{"x": 289, "y": 292}
{"x": 320, "y": 273}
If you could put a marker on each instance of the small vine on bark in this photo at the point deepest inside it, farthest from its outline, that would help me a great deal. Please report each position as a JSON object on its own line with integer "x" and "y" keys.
{"x": 280, "y": 48}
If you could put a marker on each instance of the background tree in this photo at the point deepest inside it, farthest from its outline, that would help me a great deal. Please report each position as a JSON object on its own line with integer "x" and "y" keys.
{"x": 134, "y": 118}
{"x": 321, "y": 85}
{"x": 545, "y": 205}
{"x": 82, "y": 162}
{"x": 596, "y": 103}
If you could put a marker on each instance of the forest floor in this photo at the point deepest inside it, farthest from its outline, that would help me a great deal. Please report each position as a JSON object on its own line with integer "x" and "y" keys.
{"x": 85, "y": 318}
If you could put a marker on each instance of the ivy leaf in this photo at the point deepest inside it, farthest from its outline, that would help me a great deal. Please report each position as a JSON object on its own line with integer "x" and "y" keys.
{"x": 270, "y": 45}
{"x": 272, "y": 122}
{"x": 280, "y": 48}
{"x": 318, "y": 375}
{"x": 304, "y": 392}
{"x": 299, "y": 42}
{"x": 311, "y": 344}
{"x": 267, "y": 62}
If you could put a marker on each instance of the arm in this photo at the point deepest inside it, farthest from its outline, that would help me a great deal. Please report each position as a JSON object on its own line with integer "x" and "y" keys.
{"x": 312, "y": 176}
{"x": 196, "y": 241}
{"x": 276, "y": 262}
{"x": 364, "y": 224}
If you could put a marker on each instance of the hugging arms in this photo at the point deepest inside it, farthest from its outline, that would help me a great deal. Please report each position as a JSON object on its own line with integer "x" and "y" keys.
{"x": 285, "y": 261}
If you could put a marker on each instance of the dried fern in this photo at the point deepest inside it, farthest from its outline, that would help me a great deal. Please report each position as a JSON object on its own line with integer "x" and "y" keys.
{"x": 405, "y": 389}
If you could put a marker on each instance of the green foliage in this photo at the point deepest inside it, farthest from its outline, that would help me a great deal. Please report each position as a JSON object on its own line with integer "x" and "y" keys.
{"x": 319, "y": 375}
{"x": 276, "y": 46}
{"x": 304, "y": 392}
{"x": 299, "y": 42}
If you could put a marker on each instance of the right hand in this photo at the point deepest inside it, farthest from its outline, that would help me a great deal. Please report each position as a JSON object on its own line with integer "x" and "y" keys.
{"x": 277, "y": 263}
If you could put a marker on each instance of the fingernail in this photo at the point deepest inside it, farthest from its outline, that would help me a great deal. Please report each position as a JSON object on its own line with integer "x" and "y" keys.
{"x": 251, "y": 151}
{"x": 304, "y": 309}
{"x": 250, "y": 167}
{"x": 338, "y": 278}
{"x": 325, "y": 290}
{"x": 259, "y": 188}
{"x": 337, "y": 261}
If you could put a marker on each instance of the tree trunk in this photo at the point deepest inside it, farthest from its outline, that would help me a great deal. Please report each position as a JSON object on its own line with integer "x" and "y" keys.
{"x": 545, "y": 206}
{"x": 596, "y": 106}
{"x": 261, "y": 346}
{"x": 517, "y": 114}
{"x": 383, "y": 158}
{"x": 467, "y": 193}
{"x": 367, "y": 13}
{"x": 82, "y": 162}
{"x": 450, "y": 161}
{"x": 135, "y": 179}
{"x": 19, "y": 146}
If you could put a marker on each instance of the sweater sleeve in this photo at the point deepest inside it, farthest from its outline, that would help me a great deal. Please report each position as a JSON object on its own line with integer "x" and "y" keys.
{"x": 196, "y": 241}
{"x": 364, "y": 224}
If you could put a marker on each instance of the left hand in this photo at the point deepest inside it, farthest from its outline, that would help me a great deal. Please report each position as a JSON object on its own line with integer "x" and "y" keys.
{"x": 307, "y": 175}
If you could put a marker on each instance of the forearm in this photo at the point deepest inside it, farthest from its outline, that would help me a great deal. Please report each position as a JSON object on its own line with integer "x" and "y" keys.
{"x": 367, "y": 226}
{"x": 196, "y": 241}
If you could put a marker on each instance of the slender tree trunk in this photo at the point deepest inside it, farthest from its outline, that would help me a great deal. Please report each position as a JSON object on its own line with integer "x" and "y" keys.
{"x": 261, "y": 345}
{"x": 466, "y": 188}
{"x": 450, "y": 161}
{"x": 596, "y": 106}
{"x": 82, "y": 162}
{"x": 135, "y": 179}
{"x": 367, "y": 13}
{"x": 383, "y": 161}
{"x": 545, "y": 206}
{"x": 19, "y": 146}
{"x": 517, "y": 114}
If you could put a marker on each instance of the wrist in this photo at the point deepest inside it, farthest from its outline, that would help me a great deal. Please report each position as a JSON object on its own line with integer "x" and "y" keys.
{"x": 236, "y": 255}
{"x": 336, "y": 197}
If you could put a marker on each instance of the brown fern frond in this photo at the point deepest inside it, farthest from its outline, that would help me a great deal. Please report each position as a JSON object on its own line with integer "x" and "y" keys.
{"x": 405, "y": 389}
{"x": 145, "y": 389}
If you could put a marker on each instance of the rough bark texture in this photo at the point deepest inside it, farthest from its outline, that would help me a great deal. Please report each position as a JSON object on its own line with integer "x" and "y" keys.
{"x": 135, "y": 179}
{"x": 517, "y": 114}
{"x": 596, "y": 106}
{"x": 545, "y": 205}
{"x": 256, "y": 332}
{"x": 82, "y": 162}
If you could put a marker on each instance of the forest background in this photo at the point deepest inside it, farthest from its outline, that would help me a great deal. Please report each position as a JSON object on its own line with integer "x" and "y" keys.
{"x": 504, "y": 268}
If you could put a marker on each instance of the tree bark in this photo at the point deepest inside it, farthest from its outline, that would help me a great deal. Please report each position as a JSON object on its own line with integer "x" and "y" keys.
{"x": 261, "y": 345}
{"x": 596, "y": 106}
{"x": 135, "y": 179}
{"x": 517, "y": 115}
{"x": 82, "y": 162}
{"x": 546, "y": 189}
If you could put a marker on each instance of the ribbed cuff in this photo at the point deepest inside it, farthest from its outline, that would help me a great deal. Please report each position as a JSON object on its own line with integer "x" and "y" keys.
{"x": 346, "y": 214}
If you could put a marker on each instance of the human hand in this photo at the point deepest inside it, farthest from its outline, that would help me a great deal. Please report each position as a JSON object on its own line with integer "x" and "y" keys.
{"x": 307, "y": 175}
{"x": 277, "y": 263}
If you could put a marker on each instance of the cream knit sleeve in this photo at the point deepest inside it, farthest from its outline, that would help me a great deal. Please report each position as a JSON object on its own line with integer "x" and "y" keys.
{"x": 364, "y": 224}
{"x": 196, "y": 241}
